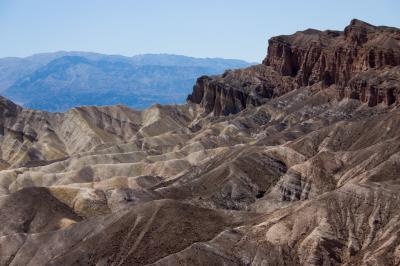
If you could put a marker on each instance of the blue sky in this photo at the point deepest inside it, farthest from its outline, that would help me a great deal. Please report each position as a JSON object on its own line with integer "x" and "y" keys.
{"x": 218, "y": 28}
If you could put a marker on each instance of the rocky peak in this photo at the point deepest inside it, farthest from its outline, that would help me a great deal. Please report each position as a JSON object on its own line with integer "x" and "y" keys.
{"x": 357, "y": 31}
{"x": 306, "y": 58}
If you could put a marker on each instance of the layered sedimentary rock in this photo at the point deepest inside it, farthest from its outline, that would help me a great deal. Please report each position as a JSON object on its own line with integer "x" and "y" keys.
{"x": 334, "y": 57}
{"x": 311, "y": 57}
{"x": 374, "y": 86}
{"x": 294, "y": 175}
{"x": 237, "y": 89}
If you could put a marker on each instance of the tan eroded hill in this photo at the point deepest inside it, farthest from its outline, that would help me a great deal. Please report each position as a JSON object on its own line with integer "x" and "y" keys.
{"x": 303, "y": 169}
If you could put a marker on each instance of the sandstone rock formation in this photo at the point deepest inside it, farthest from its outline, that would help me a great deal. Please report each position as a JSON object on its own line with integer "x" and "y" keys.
{"x": 299, "y": 169}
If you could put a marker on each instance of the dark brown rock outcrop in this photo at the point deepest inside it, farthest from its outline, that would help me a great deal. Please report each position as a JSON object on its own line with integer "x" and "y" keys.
{"x": 236, "y": 89}
{"x": 306, "y": 58}
{"x": 334, "y": 57}
{"x": 374, "y": 86}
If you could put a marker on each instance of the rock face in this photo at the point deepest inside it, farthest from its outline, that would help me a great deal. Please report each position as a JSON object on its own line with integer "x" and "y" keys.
{"x": 300, "y": 175}
{"x": 343, "y": 59}
{"x": 237, "y": 89}
{"x": 333, "y": 57}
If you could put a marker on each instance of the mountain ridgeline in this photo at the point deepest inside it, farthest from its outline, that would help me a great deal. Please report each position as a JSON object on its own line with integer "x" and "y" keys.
{"x": 294, "y": 161}
{"x": 60, "y": 81}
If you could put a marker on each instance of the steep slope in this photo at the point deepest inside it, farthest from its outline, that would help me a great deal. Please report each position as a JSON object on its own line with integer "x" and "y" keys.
{"x": 297, "y": 174}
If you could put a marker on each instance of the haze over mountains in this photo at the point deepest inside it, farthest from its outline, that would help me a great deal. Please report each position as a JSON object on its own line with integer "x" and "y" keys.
{"x": 62, "y": 80}
{"x": 294, "y": 161}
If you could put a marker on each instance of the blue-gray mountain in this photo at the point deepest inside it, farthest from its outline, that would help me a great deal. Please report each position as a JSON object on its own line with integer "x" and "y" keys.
{"x": 62, "y": 80}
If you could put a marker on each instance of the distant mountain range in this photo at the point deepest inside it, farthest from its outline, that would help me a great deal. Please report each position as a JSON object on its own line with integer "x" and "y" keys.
{"x": 59, "y": 81}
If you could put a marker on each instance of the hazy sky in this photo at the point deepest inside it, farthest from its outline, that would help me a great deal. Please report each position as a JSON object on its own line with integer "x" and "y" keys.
{"x": 217, "y": 28}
